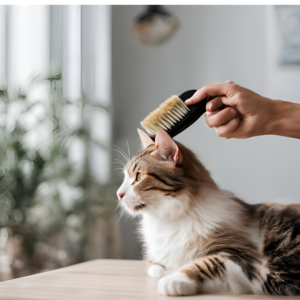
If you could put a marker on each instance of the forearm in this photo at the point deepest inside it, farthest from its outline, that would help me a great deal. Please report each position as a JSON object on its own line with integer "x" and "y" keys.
{"x": 285, "y": 119}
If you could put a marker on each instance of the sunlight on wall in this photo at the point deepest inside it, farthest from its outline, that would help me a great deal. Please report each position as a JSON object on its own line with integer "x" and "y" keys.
{"x": 3, "y": 43}
{"x": 28, "y": 43}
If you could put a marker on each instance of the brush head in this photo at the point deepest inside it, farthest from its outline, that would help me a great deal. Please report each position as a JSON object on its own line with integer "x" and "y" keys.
{"x": 166, "y": 115}
{"x": 174, "y": 115}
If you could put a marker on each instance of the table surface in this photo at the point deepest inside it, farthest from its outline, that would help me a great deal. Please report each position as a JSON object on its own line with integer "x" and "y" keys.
{"x": 97, "y": 279}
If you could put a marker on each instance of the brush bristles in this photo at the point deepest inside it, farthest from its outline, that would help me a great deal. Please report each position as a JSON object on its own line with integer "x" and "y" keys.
{"x": 166, "y": 115}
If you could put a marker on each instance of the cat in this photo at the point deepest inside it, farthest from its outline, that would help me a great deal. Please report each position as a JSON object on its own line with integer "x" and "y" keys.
{"x": 198, "y": 238}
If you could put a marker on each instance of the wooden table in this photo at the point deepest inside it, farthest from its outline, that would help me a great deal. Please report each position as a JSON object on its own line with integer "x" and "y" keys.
{"x": 97, "y": 279}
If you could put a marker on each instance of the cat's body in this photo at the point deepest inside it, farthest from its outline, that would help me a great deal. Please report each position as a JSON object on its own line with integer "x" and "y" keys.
{"x": 199, "y": 238}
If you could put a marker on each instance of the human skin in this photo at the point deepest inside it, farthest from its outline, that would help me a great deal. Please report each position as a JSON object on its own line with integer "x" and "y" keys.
{"x": 246, "y": 114}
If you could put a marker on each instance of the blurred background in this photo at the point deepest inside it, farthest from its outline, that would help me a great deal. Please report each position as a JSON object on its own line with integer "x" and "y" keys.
{"x": 75, "y": 83}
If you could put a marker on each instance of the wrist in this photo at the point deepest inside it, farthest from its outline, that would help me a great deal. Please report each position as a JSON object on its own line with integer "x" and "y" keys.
{"x": 284, "y": 119}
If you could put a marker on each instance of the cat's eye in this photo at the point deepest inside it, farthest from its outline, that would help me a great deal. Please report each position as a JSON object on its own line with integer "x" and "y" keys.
{"x": 139, "y": 176}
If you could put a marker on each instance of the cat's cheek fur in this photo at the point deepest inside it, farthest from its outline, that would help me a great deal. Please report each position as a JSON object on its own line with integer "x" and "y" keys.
{"x": 130, "y": 199}
{"x": 177, "y": 284}
{"x": 156, "y": 271}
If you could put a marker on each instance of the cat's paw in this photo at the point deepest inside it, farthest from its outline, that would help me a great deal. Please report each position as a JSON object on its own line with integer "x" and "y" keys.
{"x": 177, "y": 284}
{"x": 156, "y": 271}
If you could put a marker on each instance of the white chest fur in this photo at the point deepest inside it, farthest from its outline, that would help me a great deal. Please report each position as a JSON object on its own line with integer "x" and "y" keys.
{"x": 174, "y": 243}
{"x": 170, "y": 244}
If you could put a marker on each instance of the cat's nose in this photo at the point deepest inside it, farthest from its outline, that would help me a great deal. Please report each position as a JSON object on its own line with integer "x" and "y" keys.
{"x": 121, "y": 195}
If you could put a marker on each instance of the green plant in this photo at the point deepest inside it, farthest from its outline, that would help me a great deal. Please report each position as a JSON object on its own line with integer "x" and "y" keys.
{"x": 44, "y": 194}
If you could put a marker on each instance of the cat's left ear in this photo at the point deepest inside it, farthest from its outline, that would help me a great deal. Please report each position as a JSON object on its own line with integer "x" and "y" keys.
{"x": 167, "y": 147}
{"x": 145, "y": 138}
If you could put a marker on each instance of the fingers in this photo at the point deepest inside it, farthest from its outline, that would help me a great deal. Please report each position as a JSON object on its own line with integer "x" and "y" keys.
{"x": 227, "y": 130}
{"x": 220, "y": 117}
{"x": 214, "y": 104}
{"x": 212, "y": 90}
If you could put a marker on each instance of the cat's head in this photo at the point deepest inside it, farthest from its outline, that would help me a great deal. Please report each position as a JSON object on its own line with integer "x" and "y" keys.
{"x": 164, "y": 178}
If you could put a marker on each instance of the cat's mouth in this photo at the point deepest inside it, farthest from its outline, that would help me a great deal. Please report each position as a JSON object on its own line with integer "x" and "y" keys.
{"x": 139, "y": 207}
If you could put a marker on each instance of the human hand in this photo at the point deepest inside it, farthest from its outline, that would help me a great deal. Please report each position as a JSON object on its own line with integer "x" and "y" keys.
{"x": 247, "y": 114}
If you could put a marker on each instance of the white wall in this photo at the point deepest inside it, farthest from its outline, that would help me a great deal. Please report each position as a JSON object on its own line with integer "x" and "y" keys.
{"x": 213, "y": 44}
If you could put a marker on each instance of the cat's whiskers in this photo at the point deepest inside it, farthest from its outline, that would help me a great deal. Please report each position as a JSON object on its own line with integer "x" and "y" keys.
{"x": 128, "y": 149}
{"x": 123, "y": 212}
{"x": 119, "y": 161}
{"x": 121, "y": 208}
{"x": 117, "y": 149}
{"x": 120, "y": 169}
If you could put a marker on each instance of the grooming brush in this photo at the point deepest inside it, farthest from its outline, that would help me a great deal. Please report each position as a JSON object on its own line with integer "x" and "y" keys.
{"x": 174, "y": 115}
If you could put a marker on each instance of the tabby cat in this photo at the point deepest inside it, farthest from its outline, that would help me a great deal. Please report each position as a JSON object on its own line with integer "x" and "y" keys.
{"x": 199, "y": 238}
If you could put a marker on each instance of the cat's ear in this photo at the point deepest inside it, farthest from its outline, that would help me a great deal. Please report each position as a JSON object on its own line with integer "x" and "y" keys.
{"x": 145, "y": 138}
{"x": 167, "y": 148}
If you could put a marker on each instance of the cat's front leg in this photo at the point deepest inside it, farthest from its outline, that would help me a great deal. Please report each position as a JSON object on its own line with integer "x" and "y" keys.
{"x": 177, "y": 284}
{"x": 156, "y": 270}
{"x": 194, "y": 277}
{"x": 212, "y": 274}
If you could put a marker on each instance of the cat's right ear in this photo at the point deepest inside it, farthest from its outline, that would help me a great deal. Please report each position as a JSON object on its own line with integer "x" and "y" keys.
{"x": 145, "y": 138}
{"x": 167, "y": 148}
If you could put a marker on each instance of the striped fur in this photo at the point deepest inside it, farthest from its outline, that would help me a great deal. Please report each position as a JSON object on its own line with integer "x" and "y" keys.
{"x": 200, "y": 238}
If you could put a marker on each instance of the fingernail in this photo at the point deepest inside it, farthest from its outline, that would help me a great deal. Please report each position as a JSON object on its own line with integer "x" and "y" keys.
{"x": 232, "y": 112}
{"x": 210, "y": 106}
